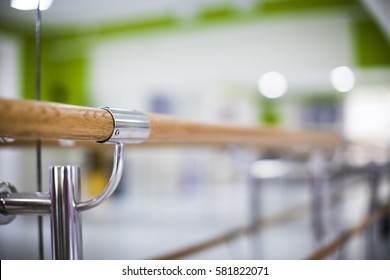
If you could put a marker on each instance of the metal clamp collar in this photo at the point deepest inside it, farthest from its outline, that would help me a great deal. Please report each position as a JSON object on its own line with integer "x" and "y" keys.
{"x": 6, "y": 189}
{"x": 130, "y": 126}
{"x": 6, "y": 139}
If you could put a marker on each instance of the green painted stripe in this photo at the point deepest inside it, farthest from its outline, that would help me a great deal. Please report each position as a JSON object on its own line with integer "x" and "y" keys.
{"x": 291, "y": 6}
{"x": 371, "y": 46}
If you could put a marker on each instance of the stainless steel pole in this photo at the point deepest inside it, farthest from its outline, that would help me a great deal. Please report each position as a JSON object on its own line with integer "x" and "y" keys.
{"x": 374, "y": 177}
{"x": 254, "y": 193}
{"x": 65, "y": 219}
{"x": 318, "y": 170}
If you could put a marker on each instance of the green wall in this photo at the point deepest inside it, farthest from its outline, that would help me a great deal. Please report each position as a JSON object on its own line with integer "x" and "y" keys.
{"x": 62, "y": 79}
{"x": 372, "y": 49}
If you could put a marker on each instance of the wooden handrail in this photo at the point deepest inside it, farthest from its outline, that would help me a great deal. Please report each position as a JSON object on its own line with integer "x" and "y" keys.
{"x": 34, "y": 119}
{"x": 46, "y": 120}
{"x": 275, "y": 220}
{"x": 327, "y": 250}
{"x": 173, "y": 129}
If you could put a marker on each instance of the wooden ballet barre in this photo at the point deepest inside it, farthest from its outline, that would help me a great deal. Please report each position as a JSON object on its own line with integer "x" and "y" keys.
{"x": 332, "y": 247}
{"x": 275, "y": 220}
{"x": 34, "y": 119}
{"x": 173, "y": 129}
{"x": 47, "y": 120}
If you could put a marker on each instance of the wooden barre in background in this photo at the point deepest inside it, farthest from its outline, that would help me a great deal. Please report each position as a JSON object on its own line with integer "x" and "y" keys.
{"x": 327, "y": 250}
{"x": 46, "y": 120}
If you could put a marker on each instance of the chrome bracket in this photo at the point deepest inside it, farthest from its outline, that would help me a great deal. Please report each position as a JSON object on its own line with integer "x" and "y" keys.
{"x": 62, "y": 203}
{"x": 115, "y": 178}
{"x": 13, "y": 203}
{"x": 130, "y": 126}
{"x": 6, "y": 139}
{"x": 6, "y": 189}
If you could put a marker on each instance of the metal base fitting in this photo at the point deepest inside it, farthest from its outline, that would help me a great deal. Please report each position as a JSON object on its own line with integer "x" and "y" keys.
{"x": 5, "y": 190}
{"x": 6, "y": 140}
{"x": 63, "y": 202}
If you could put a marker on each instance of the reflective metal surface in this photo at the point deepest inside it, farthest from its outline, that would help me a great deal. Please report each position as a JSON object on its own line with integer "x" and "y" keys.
{"x": 26, "y": 203}
{"x": 372, "y": 233}
{"x": 65, "y": 219}
{"x": 112, "y": 184}
{"x": 129, "y": 126}
{"x": 6, "y": 189}
{"x": 6, "y": 140}
{"x": 318, "y": 176}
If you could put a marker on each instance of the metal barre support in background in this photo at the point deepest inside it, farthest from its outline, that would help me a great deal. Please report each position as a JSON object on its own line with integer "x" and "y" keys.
{"x": 287, "y": 216}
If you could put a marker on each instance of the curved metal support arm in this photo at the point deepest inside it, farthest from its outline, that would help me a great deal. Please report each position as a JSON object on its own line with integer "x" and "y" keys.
{"x": 129, "y": 127}
{"x": 112, "y": 183}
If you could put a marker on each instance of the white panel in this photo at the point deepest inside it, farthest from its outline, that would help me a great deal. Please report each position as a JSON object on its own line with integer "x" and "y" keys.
{"x": 126, "y": 70}
{"x": 9, "y": 67}
{"x": 10, "y": 160}
{"x": 367, "y": 115}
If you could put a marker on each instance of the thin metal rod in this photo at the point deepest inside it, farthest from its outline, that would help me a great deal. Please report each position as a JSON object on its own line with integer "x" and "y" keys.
{"x": 317, "y": 171}
{"x": 374, "y": 177}
{"x": 65, "y": 219}
{"x": 26, "y": 204}
{"x": 254, "y": 208}
{"x": 38, "y": 51}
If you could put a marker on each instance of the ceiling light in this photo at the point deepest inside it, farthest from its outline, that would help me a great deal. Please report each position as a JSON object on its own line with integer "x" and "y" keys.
{"x": 31, "y": 4}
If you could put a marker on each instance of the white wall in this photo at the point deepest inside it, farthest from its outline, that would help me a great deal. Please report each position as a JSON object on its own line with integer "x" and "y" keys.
{"x": 10, "y": 159}
{"x": 192, "y": 62}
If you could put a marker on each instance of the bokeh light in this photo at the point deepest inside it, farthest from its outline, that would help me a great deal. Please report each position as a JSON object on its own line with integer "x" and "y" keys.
{"x": 273, "y": 84}
{"x": 342, "y": 79}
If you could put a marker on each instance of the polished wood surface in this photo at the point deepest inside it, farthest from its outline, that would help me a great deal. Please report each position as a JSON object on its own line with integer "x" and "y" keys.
{"x": 45, "y": 120}
{"x": 173, "y": 129}
{"x": 33, "y": 119}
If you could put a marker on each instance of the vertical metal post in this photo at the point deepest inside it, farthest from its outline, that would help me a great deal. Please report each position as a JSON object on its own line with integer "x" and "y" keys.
{"x": 386, "y": 224}
{"x": 318, "y": 178}
{"x": 254, "y": 192}
{"x": 65, "y": 219}
{"x": 337, "y": 184}
{"x": 256, "y": 182}
{"x": 372, "y": 232}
